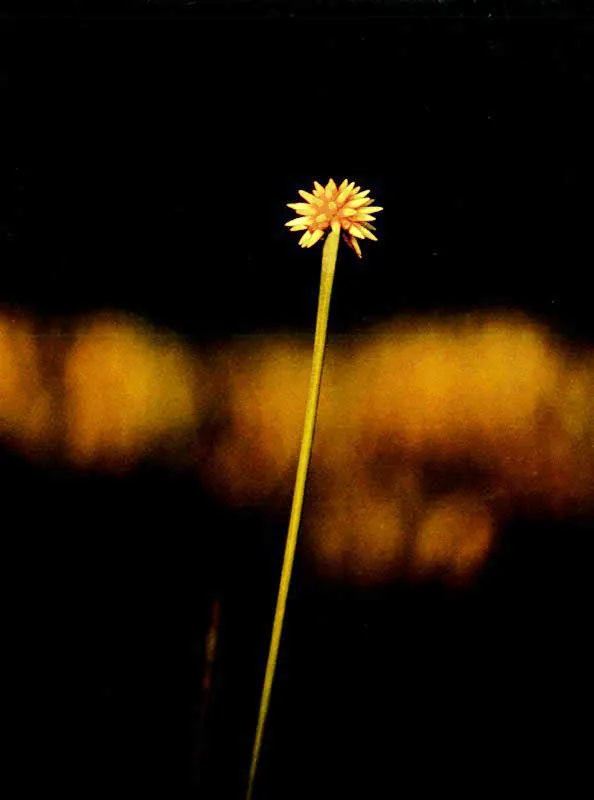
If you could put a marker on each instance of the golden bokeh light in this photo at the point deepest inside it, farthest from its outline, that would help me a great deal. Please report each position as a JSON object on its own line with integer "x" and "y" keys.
{"x": 430, "y": 434}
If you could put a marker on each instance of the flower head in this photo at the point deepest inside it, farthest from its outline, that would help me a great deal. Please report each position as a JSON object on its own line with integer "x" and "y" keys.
{"x": 334, "y": 207}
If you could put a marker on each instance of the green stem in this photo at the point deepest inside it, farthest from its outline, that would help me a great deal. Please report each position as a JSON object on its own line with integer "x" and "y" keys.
{"x": 311, "y": 410}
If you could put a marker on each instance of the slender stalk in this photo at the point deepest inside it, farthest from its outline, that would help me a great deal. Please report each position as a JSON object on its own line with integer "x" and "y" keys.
{"x": 210, "y": 652}
{"x": 328, "y": 266}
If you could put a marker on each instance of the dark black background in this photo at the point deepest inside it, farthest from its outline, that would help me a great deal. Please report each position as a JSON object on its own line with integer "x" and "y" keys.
{"x": 151, "y": 149}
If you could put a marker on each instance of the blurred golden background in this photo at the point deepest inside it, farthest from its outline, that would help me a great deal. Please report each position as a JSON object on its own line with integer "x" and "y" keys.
{"x": 430, "y": 434}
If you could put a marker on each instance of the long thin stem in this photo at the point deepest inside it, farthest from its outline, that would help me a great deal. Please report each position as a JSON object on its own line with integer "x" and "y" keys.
{"x": 210, "y": 652}
{"x": 326, "y": 280}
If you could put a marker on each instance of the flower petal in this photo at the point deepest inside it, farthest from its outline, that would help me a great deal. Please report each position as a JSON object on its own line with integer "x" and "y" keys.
{"x": 296, "y": 221}
{"x": 372, "y": 209}
{"x": 330, "y": 189}
{"x": 342, "y": 196}
{"x": 369, "y": 235}
{"x": 306, "y": 195}
{"x": 315, "y": 237}
{"x": 302, "y": 208}
{"x": 358, "y": 201}
{"x": 356, "y": 248}
{"x": 304, "y": 239}
{"x": 355, "y": 230}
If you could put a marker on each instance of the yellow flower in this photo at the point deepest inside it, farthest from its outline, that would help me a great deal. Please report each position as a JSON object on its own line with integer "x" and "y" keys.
{"x": 337, "y": 207}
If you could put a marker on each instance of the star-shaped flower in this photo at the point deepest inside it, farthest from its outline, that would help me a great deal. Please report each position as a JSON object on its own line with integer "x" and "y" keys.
{"x": 342, "y": 207}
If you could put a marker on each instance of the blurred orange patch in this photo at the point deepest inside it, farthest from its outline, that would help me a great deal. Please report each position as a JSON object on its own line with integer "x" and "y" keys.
{"x": 126, "y": 392}
{"x": 25, "y": 402}
{"x": 429, "y": 433}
